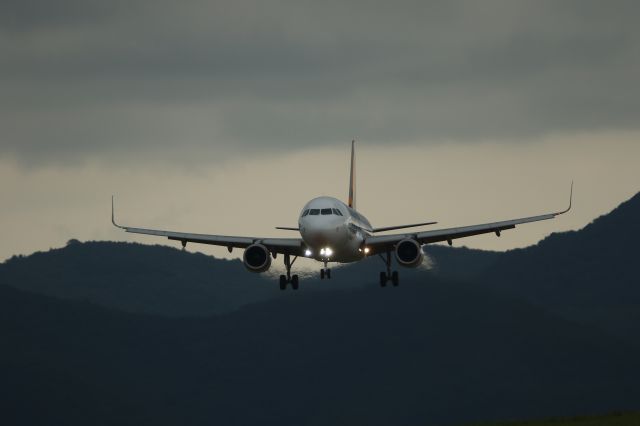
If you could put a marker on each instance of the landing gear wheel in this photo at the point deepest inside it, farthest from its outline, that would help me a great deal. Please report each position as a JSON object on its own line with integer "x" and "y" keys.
{"x": 322, "y": 274}
{"x": 283, "y": 282}
{"x": 286, "y": 279}
{"x": 388, "y": 275}
{"x": 328, "y": 273}
{"x": 394, "y": 278}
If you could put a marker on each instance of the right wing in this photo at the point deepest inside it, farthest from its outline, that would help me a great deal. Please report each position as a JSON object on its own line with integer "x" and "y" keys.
{"x": 379, "y": 244}
{"x": 293, "y": 246}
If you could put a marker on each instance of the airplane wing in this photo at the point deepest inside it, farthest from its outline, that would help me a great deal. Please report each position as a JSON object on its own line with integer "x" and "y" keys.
{"x": 293, "y": 246}
{"x": 380, "y": 244}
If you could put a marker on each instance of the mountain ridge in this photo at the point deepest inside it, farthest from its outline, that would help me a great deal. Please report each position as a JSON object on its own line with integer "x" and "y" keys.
{"x": 448, "y": 346}
{"x": 588, "y": 275}
{"x": 585, "y": 275}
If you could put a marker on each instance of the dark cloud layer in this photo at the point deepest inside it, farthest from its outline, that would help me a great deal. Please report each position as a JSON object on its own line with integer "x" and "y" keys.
{"x": 205, "y": 80}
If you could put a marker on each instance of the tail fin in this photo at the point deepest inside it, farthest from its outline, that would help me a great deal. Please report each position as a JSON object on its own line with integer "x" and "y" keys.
{"x": 352, "y": 177}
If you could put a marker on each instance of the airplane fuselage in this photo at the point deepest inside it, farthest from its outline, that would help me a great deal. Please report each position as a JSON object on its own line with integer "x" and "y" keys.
{"x": 332, "y": 231}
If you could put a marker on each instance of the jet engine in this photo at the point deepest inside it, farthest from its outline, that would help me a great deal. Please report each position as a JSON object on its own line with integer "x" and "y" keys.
{"x": 257, "y": 258}
{"x": 409, "y": 253}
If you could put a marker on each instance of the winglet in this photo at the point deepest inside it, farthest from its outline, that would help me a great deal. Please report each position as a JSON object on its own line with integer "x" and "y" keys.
{"x": 570, "y": 202}
{"x": 113, "y": 220}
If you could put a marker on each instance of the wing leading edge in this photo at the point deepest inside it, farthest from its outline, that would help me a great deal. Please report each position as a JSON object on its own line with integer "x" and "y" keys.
{"x": 377, "y": 244}
{"x": 293, "y": 246}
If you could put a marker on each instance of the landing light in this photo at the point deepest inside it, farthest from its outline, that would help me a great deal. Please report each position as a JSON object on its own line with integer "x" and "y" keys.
{"x": 307, "y": 252}
{"x": 366, "y": 250}
{"x": 326, "y": 252}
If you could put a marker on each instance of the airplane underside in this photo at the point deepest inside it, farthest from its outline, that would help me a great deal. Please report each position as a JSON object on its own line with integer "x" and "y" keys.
{"x": 408, "y": 253}
{"x": 325, "y": 273}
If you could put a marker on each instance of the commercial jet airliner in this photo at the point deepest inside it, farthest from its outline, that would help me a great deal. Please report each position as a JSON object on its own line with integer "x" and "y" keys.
{"x": 333, "y": 231}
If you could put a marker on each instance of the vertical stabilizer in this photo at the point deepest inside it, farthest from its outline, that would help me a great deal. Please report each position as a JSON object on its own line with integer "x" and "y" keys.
{"x": 352, "y": 177}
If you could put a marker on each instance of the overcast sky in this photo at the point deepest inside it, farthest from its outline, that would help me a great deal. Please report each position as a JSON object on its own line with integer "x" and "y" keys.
{"x": 226, "y": 116}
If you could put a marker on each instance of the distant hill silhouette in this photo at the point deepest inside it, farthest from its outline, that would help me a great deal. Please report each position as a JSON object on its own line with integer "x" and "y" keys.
{"x": 589, "y": 275}
{"x": 167, "y": 281}
{"x": 480, "y": 336}
{"x": 138, "y": 278}
{"x": 586, "y": 276}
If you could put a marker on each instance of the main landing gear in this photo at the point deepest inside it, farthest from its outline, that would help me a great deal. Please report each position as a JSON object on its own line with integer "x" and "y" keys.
{"x": 325, "y": 272}
{"x": 288, "y": 279}
{"x": 388, "y": 276}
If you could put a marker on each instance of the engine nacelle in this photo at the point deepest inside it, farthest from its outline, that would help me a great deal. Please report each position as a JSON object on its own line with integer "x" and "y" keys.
{"x": 409, "y": 253}
{"x": 257, "y": 258}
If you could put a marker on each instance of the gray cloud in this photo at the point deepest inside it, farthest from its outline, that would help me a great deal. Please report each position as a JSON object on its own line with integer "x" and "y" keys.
{"x": 209, "y": 80}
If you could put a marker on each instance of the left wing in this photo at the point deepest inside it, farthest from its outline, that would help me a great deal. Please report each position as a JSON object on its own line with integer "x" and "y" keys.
{"x": 379, "y": 244}
{"x": 293, "y": 246}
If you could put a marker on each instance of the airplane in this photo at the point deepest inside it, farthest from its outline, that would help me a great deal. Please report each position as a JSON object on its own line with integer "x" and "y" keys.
{"x": 333, "y": 231}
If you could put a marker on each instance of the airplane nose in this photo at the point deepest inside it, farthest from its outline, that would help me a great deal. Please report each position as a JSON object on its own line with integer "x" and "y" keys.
{"x": 322, "y": 234}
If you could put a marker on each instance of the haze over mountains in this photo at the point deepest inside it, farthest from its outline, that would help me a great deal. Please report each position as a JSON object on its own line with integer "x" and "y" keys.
{"x": 547, "y": 330}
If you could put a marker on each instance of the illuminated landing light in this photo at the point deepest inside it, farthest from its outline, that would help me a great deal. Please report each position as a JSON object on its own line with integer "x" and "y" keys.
{"x": 307, "y": 252}
{"x": 328, "y": 252}
{"x": 366, "y": 250}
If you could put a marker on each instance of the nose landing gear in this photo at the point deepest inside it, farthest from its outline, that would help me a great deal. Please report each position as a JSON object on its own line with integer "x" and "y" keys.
{"x": 289, "y": 279}
{"x": 388, "y": 276}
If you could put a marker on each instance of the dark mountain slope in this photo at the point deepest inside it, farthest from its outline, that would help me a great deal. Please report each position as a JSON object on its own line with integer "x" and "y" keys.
{"x": 459, "y": 263}
{"x": 138, "y": 278}
{"x": 431, "y": 353}
{"x": 56, "y": 361}
{"x": 167, "y": 281}
{"x": 589, "y": 275}
{"x": 613, "y": 419}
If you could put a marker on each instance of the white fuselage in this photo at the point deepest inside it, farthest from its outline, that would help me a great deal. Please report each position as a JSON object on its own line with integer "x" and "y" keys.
{"x": 332, "y": 231}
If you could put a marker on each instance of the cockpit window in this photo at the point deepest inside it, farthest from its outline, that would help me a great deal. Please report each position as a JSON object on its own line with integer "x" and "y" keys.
{"x": 306, "y": 212}
{"x": 326, "y": 211}
{"x": 314, "y": 212}
{"x": 337, "y": 212}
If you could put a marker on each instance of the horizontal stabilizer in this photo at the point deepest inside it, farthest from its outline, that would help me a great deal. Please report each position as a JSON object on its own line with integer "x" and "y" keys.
{"x": 286, "y": 228}
{"x": 391, "y": 228}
